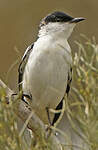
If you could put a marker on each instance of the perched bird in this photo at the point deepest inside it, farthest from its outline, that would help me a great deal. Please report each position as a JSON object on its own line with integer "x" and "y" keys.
{"x": 45, "y": 71}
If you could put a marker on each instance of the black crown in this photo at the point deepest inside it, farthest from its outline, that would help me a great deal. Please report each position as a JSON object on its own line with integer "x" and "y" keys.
{"x": 57, "y": 17}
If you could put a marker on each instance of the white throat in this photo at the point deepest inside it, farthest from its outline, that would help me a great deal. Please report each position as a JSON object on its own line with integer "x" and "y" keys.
{"x": 57, "y": 29}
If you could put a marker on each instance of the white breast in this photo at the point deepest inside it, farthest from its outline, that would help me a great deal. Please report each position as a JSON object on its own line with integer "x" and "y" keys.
{"x": 45, "y": 76}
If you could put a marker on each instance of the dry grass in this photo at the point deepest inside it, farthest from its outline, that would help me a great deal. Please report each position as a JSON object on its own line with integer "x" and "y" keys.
{"x": 83, "y": 99}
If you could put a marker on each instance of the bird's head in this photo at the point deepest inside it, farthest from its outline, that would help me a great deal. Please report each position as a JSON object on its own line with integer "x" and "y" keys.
{"x": 58, "y": 24}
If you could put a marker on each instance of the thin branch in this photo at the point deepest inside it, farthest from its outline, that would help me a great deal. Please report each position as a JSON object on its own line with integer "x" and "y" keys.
{"x": 23, "y": 111}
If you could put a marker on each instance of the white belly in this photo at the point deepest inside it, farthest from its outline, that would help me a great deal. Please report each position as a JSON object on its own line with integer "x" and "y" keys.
{"x": 45, "y": 78}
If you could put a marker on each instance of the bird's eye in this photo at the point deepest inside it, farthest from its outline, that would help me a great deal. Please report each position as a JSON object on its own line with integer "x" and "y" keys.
{"x": 53, "y": 16}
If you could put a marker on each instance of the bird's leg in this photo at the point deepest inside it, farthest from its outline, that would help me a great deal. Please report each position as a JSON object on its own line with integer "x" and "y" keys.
{"x": 48, "y": 114}
{"x": 14, "y": 95}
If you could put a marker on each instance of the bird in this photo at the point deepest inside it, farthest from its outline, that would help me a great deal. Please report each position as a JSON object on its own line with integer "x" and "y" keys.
{"x": 45, "y": 70}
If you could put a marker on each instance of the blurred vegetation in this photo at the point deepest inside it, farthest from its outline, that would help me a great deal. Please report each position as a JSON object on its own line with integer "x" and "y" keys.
{"x": 82, "y": 106}
{"x": 83, "y": 103}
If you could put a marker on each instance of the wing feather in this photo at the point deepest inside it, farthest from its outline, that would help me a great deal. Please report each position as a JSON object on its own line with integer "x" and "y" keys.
{"x": 60, "y": 105}
{"x": 23, "y": 64}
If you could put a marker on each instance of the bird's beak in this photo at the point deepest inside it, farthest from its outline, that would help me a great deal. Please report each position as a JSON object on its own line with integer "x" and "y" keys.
{"x": 76, "y": 20}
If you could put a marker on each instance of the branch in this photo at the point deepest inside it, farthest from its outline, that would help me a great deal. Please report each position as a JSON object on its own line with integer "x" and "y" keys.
{"x": 26, "y": 114}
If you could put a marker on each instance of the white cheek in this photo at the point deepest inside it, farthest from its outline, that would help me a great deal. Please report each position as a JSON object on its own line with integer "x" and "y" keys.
{"x": 57, "y": 29}
{"x": 69, "y": 26}
{"x": 68, "y": 29}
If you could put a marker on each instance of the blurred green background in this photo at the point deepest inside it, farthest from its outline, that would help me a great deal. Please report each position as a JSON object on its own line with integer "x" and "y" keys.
{"x": 19, "y": 21}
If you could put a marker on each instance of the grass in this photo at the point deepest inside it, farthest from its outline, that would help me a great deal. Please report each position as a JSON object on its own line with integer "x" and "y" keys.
{"x": 83, "y": 103}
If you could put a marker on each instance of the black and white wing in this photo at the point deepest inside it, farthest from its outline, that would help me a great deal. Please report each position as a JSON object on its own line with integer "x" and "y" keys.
{"x": 23, "y": 64}
{"x": 60, "y": 105}
{"x": 69, "y": 81}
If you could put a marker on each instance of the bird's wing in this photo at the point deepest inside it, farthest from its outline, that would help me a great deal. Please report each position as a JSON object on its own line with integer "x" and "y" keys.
{"x": 60, "y": 105}
{"x": 69, "y": 80}
{"x": 23, "y": 64}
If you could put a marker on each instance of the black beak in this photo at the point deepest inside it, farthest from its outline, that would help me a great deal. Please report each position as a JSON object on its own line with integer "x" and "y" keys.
{"x": 76, "y": 20}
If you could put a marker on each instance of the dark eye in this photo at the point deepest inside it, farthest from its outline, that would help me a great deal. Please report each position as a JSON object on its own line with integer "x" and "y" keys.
{"x": 53, "y": 17}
